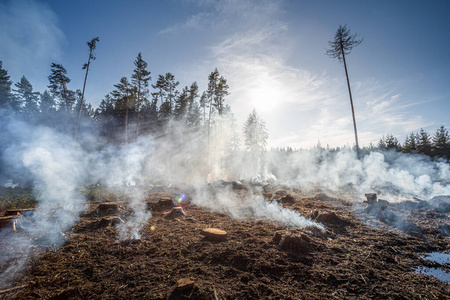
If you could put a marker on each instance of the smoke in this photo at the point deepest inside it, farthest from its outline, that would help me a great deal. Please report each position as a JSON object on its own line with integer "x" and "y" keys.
{"x": 122, "y": 169}
{"x": 58, "y": 167}
{"x": 55, "y": 166}
{"x": 224, "y": 200}
{"x": 392, "y": 175}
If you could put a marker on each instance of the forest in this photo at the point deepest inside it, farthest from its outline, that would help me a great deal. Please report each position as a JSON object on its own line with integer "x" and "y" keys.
{"x": 136, "y": 107}
{"x": 131, "y": 110}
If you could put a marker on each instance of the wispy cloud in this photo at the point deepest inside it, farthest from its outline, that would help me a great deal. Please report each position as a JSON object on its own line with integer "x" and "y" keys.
{"x": 300, "y": 106}
{"x": 227, "y": 15}
{"x": 198, "y": 21}
{"x": 30, "y": 37}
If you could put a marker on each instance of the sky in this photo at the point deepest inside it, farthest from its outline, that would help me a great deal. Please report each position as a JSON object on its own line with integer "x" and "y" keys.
{"x": 272, "y": 54}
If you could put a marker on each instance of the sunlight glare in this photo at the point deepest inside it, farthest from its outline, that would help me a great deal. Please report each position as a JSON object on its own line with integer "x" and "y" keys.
{"x": 264, "y": 98}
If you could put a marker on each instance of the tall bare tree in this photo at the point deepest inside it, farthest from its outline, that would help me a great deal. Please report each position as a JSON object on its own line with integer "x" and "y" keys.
{"x": 341, "y": 46}
{"x": 92, "y": 44}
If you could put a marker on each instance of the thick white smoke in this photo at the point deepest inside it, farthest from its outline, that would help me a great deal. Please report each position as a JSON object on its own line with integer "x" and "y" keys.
{"x": 393, "y": 175}
{"x": 225, "y": 200}
{"x": 59, "y": 167}
{"x": 55, "y": 166}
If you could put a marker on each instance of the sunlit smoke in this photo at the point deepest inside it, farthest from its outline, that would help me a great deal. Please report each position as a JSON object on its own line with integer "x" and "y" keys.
{"x": 58, "y": 167}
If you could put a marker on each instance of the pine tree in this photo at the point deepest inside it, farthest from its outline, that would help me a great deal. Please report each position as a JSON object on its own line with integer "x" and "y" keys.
{"x": 7, "y": 99}
{"x": 217, "y": 90}
{"x": 203, "y": 103}
{"x": 58, "y": 85}
{"x": 181, "y": 104}
{"x": 161, "y": 87}
{"x": 441, "y": 143}
{"x": 171, "y": 89}
{"x": 124, "y": 95}
{"x": 423, "y": 142}
{"x": 140, "y": 79}
{"x": 381, "y": 143}
{"x": 392, "y": 142}
{"x": 29, "y": 100}
{"x": 255, "y": 133}
{"x": 341, "y": 46}
{"x": 47, "y": 104}
{"x": 410, "y": 144}
{"x": 255, "y": 140}
{"x": 167, "y": 92}
{"x": 193, "y": 114}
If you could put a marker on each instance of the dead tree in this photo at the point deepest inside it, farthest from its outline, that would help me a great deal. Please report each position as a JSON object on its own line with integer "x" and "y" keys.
{"x": 342, "y": 45}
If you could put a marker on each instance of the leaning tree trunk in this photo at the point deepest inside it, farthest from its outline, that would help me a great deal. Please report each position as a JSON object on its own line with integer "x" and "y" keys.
{"x": 351, "y": 103}
{"x": 137, "y": 113}
{"x": 82, "y": 96}
{"x": 126, "y": 121}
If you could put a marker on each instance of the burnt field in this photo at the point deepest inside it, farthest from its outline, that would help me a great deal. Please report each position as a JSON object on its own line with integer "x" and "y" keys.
{"x": 367, "y": 251}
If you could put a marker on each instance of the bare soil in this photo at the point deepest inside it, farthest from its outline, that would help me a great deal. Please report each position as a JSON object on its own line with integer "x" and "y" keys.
{"x": 367, "y": 253}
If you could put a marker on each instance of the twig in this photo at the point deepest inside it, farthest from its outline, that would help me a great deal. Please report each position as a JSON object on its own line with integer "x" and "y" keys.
{"x": 363, "y": 278}
{"x": 12, "y": 289}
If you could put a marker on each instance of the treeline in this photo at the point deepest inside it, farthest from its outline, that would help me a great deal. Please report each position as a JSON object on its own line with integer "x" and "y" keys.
{"x": 436, "y": 145}
{"x": 131, "y": 109}
{"x": 137, "y": 105}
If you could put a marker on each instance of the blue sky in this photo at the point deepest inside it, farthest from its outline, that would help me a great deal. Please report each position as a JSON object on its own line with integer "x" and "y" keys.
{"x": 271, "y": 52}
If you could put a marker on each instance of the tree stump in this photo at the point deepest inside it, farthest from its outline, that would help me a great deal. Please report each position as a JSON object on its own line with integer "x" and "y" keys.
{"x": 214, "y": 234}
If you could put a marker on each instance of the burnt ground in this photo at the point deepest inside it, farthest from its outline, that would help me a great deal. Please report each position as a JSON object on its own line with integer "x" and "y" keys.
{"x": 369, "y": 252}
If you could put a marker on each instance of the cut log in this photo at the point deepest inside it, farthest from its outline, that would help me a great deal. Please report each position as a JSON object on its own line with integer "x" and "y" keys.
{"x": 185, "y": 284}
{"x": 214, "y": 234}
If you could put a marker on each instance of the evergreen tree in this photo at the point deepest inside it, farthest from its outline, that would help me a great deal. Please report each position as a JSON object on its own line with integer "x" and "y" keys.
{"x": 7, "y": 100}
{"x": 166, "y": 86}
{"x": 193, "y": 114}
{"x": 140, "y": 79}
{"x": 182, "y": 104}
{"x": 233, "y": 141}
{"x": 423, "y": 142}
{"x": 441, "y": 143}
{"x": 58, "y": 86}
{"x": 29, "y": 100}
{"x": 124, "y": 95}
{"x": 410, "y": 143}
{"x": 106, "y": 116}
{"x": 47, "y": 104}
{"x": 217, "y": 90}
{"x": 255, "y": 140}
{"x": 171, "y": 89}
{"x": 255, "y": 133}
{"x": 392, "y": 142}
{"x": 161, "y": 87}
{"x": 203, "y": 103}
{"x": 106, "y": 107}
{"x": 381, "y": 143}
{"x": 341, "y": 46}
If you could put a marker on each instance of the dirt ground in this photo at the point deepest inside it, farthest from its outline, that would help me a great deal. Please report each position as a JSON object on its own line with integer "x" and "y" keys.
{"x": 369, "y": 251}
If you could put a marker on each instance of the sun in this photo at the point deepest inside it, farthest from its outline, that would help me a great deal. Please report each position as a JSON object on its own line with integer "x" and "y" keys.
{"x": 264, "y": 98}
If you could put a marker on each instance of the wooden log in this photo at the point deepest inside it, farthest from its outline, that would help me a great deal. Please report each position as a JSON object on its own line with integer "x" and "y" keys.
{"x": 214, "y": 234}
